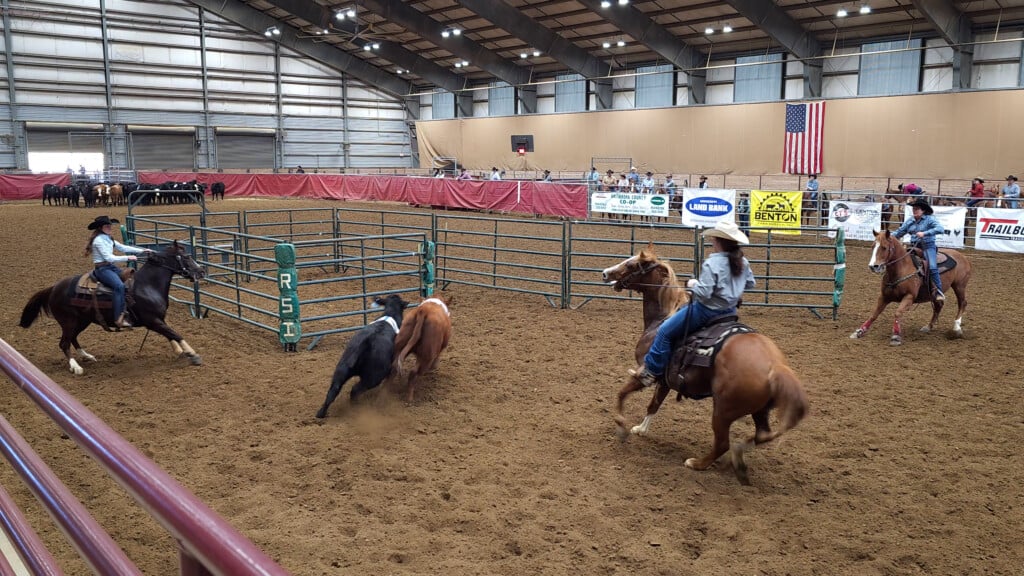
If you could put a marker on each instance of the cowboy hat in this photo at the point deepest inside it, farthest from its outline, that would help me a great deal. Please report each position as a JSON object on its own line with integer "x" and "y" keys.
{"x": 923, "y": 205}
{"x": 728, "y": 231}
{"x": 1011, "y": 177}
{"x": 102, "y": 221}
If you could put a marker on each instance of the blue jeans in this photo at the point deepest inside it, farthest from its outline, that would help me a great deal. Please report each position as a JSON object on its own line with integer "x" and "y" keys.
{"x": 110, "y": 276}
{"x": 932, "y": 254}
{"x": 1011, "y": 202}
{"x": 687, "y": 319}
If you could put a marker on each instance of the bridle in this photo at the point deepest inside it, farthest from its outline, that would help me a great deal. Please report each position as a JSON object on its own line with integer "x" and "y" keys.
{"x": 640, "y": 271}
{"x": 157, "y": 259}
{"x": 907, "y": 254}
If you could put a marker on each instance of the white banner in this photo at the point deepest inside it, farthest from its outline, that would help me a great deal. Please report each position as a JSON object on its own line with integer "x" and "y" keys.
{"x": 626, "y": 203}
{"x": 952, "y": 219}
{"x": 1000, "y": 229}
{"x": 704, "y": 207}
{"x": 859, "y": 220}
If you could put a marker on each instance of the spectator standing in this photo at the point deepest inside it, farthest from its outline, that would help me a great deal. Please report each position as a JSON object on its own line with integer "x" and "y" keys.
{"x": 634, "y": 178}
{"x": 624, "y": 184}
{"x": 547, "y": 176}
{"x": 703, "y": 182}
{"x": 438, "y": 173}
{"x": 593, "y": 178}
{"x": 299, "y": 170}
{"x": 495, "y": 175}
{"x": 609, "y": 181}
{"x": 810, "y": 197}
{"x": 1011, "y": 192}
{"x": 647, "y": 184}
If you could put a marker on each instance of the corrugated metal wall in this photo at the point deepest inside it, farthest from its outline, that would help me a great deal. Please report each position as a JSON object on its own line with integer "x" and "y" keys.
{"x": 321, "y": 117}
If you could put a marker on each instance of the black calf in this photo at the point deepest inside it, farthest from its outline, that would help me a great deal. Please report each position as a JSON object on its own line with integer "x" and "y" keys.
{"x": 217, "y": 190}
{"x": 369, "y": 353}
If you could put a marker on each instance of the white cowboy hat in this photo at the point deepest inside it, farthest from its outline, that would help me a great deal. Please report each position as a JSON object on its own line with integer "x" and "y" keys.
{"x": 727, "y": 230}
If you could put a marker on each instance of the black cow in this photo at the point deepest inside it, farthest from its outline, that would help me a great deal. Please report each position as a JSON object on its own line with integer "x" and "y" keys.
{"x": 217, "y": 190}
{"x": 51, "y": 194}
{"x": 369, "y": 353}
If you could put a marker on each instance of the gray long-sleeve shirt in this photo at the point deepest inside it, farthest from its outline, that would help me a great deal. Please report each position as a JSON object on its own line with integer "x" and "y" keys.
{"x": 717, "y": 288}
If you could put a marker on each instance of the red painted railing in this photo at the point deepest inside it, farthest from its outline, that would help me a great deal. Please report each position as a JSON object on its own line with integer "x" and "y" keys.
{"x": 209, "y": 544}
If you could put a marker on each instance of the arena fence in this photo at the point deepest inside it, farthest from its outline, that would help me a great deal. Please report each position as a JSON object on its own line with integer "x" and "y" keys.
{"x": 300, "y": 277}
{"x": 208, "y": 544}
{"x": 309, "y": 272}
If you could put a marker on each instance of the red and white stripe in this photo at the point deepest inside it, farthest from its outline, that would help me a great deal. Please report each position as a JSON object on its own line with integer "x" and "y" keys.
{"x": 803, "y": 149}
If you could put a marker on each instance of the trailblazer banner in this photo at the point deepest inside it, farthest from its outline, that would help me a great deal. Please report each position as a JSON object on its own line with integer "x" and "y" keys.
{"x": 859, "y": 220}
{"x": 629, "y": 203}
{"x": 779, "y": 211}
{"x": 1000, "y": 229}
{"x": 704, "y": 207}
{"x": 952, "y": 218}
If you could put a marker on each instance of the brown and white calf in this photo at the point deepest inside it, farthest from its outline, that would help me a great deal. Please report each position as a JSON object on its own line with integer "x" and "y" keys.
{"x": 425, "y": 333}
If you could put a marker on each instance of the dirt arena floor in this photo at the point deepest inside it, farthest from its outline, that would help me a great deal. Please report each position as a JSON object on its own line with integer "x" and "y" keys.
{"x": 507, "y": 462}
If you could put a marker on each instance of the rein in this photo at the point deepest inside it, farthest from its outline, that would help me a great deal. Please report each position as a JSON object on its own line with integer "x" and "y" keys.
{"x": 903, "y": 278}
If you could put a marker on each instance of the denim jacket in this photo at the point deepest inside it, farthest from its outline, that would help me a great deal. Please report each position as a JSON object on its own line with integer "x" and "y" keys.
{"x": 928, "y": 224}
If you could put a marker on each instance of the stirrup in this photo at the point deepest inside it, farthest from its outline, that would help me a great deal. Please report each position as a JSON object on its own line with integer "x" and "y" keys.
{"x": 123, "y": 323}
{"x": 939, "y": 296}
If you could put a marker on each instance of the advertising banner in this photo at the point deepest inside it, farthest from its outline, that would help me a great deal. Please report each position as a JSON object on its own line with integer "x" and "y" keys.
{"x": 952, "y": 219}
{"x": 1000, "y": 229}
{"x": 779, "y": 211}
{"x": 627, "y": 203}
{"x": 859, "y": 220}
{"x": 703, "y": 207}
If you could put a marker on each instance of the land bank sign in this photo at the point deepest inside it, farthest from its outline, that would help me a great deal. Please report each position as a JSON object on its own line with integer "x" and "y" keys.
{"x": 704, "y": 207}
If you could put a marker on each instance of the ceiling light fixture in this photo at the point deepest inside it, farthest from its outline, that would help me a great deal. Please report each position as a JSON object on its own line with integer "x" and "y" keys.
{"x": 726, "y": 29}
{"x": 865, "y": 9}
{"x": 623, "y": 2}
{"x": 536, "y": 53}
{"x": 709, "y": 30}
{"x": 272, "y": 31}
{"x": 606, "y": 45}
{"x": 451, "y": 32}
{"x": 620, "y": 43}
{"x": 841, "y": 13}
{"x": 345, "y": 13}
{"x": 606, "y": 4}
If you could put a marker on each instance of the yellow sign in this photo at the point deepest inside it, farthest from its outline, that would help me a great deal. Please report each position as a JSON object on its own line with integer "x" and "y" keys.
{"x": 779, "y": 211}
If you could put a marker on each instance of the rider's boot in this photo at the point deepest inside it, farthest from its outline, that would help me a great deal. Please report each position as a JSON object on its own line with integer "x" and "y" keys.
{"x": 937, "y": 294}
{"x": 644, "y": 376}
{"x": 122, "y": 321}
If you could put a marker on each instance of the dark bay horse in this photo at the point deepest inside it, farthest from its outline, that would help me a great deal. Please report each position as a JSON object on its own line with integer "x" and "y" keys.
{"x": 904, "y": 282}
{"x": 749, "y": 376}
{"x": 147, "y": 304}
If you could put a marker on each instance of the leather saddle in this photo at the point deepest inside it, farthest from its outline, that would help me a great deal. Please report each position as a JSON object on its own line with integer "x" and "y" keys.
{"x": 91, "y": 292}
{"x": 699, "y": 351}
{"x": 944, "y": 263}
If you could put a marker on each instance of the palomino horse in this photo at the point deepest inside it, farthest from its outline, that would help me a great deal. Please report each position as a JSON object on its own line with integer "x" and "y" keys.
{"x": 147, "y": 298}
{"x": 904, "y": 281}
{"x": 749, "y": 374}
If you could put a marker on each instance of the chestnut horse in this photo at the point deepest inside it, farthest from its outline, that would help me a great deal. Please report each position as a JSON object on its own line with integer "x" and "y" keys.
{"x": 749, "y": 375}
{"x": 904, "y": 282}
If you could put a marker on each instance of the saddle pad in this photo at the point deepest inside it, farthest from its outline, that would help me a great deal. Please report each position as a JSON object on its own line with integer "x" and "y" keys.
{"x": 86, "y": 285}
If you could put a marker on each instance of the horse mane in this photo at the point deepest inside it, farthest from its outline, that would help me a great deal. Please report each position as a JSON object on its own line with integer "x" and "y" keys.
{"x": 671, "y": 295}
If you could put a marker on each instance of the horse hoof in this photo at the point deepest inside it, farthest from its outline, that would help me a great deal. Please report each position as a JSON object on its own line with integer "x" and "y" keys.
{"x": 196, "y": 360}
{"x": 76, "y": 370}
{"x": 926, "y": 329}
{"x": 895, "y": 341}
{"x": 856, "y": 334}
{"x": 621, "y": 434}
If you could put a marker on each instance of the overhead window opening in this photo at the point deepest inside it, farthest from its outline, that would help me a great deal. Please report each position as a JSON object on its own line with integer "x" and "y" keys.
{"x": 56, "y": 162}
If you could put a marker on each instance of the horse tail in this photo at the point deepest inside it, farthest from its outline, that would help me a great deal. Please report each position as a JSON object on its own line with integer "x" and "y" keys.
{"x": 789, "y": 397}
{"x": 40, "y": 301}
{"x": 405, "y": 346}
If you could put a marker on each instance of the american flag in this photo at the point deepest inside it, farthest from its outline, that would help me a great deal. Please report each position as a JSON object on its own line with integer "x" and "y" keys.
{"x": 804, "y": 125}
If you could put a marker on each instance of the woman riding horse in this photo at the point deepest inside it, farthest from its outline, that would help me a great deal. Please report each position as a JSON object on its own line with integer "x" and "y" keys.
{"x": 101, "y": 245}
{"x": 925, "y": 227}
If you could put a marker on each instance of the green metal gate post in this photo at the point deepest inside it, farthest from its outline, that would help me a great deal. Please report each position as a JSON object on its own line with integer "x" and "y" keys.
{"x": 289, "y": 327}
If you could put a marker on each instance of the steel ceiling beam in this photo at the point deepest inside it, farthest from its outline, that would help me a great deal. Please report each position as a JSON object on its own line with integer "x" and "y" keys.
{"x": 397, "y": 12}
{"x": 513, "y": 21}
{"x": 956, "y": 29}
{"x": 322, "y": 17}
{"x": 788, "y": 32}
{"x": 257, "y": 22}
{"x": 656, "y": 37}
